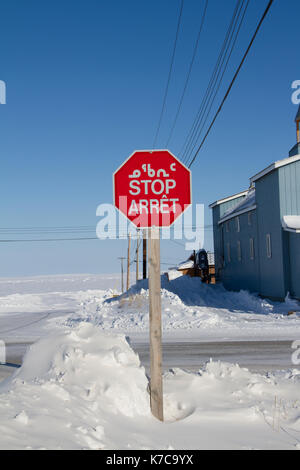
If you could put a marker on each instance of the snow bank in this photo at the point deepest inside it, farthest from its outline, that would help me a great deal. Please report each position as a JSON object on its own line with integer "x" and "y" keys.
{"x": 72, "y": 390}
{"x": 85, "y": 389}
{"x": 193, "y": 310}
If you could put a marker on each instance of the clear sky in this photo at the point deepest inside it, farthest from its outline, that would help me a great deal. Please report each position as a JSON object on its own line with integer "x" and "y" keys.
{"x": 85, "y": 82}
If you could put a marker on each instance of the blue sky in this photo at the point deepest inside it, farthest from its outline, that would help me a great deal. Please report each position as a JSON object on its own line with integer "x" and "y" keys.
{"x": 85, "y": 83}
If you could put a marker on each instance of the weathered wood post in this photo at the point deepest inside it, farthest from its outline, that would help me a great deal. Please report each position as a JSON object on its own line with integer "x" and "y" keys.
{"x": 128, "y": 262}
{"x": 144, "y": 254}
{"x": 156, "y": 385}
{"x": 137, "y": 256}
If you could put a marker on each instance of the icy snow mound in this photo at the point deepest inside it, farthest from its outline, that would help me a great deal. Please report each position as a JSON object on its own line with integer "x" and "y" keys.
{"x": 72, "y": 384}
{"x": 73, "y": 360}
{"x": 85, "y": 389}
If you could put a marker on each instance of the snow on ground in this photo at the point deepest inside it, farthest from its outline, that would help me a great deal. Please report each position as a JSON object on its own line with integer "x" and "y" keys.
{"x": 191, "y": 311}
{"x": 58, "y": 283}
{"x": 85, "y": 389}
{"x": 31, "y": 306}
{"x": 81, "y": 385}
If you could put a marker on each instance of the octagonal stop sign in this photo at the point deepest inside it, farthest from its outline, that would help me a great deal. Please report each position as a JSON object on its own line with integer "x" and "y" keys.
{"x": 152, "y": 188}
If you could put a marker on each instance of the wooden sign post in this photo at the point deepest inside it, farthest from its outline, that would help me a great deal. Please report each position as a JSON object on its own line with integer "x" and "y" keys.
{"x": 144, "y": 254}
{"x": 156, "y": 386}
{"x": 128, "y": 262}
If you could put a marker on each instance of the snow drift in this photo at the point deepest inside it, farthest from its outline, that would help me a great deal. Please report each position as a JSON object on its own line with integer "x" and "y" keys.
{"x": 86, "y": 389}
{"x": 192, "y": 310}
{"x": 33, "y": 307}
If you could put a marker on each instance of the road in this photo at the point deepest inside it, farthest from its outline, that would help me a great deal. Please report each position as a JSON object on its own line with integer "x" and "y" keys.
{"x": 257, "y": 356}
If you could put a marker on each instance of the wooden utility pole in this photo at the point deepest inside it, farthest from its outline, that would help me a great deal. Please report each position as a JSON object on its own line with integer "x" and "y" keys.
{"x": 128, "y": 261}
{"x": 298, "y": 126}
{"x": 156, "y": 386}
{"x": 122, "y": 271}
{"x": 137, "y": 255}
{"x": 144, "y": 254}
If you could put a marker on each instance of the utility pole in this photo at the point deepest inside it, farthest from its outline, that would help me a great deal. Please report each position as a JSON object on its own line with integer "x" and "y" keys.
{"x": 128, "y": 261}
{"x": 144, "y": 254}
{"x": 137, "y": 255}
{"x": 122, "y": 271}
{"x": 298, "y": 125}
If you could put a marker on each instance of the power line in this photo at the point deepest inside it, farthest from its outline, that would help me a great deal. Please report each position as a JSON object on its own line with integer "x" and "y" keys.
{"x": 192, "y": 136}
{"x": 194, "y": 126}
{"x": 40, "y": 231}
{"x": 216, "y": 86}
{"x": 199, "y": 131}
{"x": 233, "y": 80}
{"x": 47, "y": 239}
{"x": 55, "y": 239}
{"x": 59, "y": 230}
{"x": 42, "y": 228}
{"x": 169, "y": 75}
{"x": 117, "y": 237}
{"x": 189, "y": 73}
{"x": 33, "y": 232}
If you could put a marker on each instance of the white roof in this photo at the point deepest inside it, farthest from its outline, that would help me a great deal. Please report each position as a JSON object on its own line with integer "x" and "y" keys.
{"x": 188, "y": 264}
{"x": 229, "y": 198}
{"x": 291, "y": 223}
{"x": 246, "y": 205}
{"x": 273, "y": 166}
{"x": 174, "y": 274}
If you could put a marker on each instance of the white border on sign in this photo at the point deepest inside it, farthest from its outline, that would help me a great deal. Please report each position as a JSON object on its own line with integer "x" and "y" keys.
{"x": 152, "y": 151}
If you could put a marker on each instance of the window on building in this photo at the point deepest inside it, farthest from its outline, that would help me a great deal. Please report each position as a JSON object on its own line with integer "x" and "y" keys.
{"x": 227, "y": 227}
{"x": 251, "y": 248}
{"x": 249, "y": 218}
{"x": 239, "y": 251}
{"x": 228, "y": 253}
{"x": 269, "y": 247}
{"x": 237, "y": 221}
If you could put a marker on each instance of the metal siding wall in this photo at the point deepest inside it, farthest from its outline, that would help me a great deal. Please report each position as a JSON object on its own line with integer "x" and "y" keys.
{"x": 289, "y": 184}
{"x": 294, "y": 243}
{"x": 277, "y": 194}
{"x": 272, "y": 280}
{"x": 286, "y": 260}
{"x": 241, "y": 274}
{"x": 217, "y": 239}
{"x": 218, "y": 212}
{"x": 289, "y": 187}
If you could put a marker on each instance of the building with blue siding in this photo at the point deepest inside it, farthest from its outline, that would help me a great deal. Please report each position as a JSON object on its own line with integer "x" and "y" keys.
{"x": 257, "y": 231}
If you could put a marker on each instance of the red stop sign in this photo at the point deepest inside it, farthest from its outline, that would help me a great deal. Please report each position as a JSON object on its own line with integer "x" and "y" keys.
{"x": 152, "y": 188}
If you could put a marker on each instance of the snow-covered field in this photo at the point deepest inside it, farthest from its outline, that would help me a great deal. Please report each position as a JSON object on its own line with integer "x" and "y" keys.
{"x": 33, "y": 307}
{"x": 82, "y": 386}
